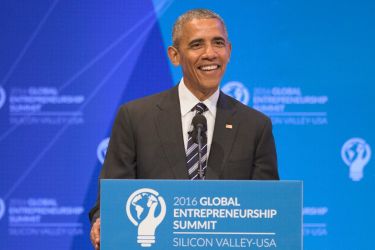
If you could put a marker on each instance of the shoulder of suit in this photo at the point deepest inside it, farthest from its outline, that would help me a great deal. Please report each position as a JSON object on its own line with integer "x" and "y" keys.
{"x": 244, "y": 110}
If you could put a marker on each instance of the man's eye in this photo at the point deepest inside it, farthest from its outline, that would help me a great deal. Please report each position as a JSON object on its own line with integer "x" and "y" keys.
{"x": 195, "y": 45}
{"x": 220, "y": 43}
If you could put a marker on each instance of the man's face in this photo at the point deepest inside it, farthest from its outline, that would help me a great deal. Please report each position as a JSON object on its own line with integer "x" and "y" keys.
{"x": 203, "y": 53}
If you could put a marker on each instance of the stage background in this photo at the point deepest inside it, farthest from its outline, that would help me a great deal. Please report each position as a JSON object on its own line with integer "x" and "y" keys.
{"x": 66, "y": 67}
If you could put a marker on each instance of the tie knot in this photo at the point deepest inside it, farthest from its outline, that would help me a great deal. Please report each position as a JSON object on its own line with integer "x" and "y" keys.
{"x": 200, "y": 108}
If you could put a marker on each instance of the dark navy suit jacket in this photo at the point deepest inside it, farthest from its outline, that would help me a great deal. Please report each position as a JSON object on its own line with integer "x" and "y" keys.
{"x": 147, "y": 142}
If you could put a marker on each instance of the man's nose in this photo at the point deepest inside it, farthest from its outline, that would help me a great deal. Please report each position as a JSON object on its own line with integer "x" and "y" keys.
{"x": 210, "y": 52}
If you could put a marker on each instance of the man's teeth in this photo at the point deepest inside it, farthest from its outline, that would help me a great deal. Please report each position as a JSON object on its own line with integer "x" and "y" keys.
{"x": 209, "y": 67}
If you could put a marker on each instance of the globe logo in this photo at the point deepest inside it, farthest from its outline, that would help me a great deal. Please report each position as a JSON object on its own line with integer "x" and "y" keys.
{"x": 238, "y": 91}
{"x": 2, "y": 208}
{"x": 146, "y": 209}
{"x": 2, "y": 97}
{"x": 356, "y": 153}
{"x": 102, "y": 149}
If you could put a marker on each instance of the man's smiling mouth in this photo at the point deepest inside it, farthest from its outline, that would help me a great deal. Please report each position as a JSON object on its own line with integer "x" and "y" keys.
{"x": 209, "y": 67}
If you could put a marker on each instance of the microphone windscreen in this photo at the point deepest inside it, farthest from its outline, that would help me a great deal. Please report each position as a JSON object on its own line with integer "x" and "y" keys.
{"x": 200, "y": 120}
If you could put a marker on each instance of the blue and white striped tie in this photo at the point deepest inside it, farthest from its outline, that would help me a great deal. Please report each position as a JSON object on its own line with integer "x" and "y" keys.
{"x": 192, "y": 149}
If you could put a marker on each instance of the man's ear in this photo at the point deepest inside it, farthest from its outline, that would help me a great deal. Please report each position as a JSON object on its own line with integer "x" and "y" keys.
{"x": 173, "y": 55}
{"x": 230, "y": 50}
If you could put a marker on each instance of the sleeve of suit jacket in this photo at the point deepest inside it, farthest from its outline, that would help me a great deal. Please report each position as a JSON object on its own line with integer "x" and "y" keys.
{"x": 120, "y": 161}
{"x": 265, "y": 162}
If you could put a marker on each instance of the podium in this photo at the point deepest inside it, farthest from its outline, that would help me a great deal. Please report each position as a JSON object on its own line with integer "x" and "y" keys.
{"x": 183, "y": 214}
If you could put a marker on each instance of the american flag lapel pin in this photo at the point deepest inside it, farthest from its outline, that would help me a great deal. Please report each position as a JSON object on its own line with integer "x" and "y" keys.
{"x": 230, "y": 126}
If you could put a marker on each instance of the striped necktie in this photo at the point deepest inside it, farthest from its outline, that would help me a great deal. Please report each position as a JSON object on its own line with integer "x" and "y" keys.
{"x": 192, "y": 149}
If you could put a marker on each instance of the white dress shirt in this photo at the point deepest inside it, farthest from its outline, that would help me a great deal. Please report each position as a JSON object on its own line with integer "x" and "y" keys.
{"x": 187, "y": 101}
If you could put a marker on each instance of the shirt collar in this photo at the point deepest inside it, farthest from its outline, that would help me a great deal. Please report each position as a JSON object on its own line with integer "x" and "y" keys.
{"x": 188, "y": 100}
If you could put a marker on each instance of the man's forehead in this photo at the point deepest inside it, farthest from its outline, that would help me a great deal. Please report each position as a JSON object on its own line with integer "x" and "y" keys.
{"x": 204, "y": 23}
{"x": 196, "y": 28}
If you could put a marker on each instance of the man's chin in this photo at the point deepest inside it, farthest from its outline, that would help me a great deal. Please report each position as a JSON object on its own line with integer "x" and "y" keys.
{"x": 210, "y": 85}
{"x": 209, "y": 88}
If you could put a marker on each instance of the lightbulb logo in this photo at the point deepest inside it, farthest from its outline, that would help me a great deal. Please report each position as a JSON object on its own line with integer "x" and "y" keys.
{"x": 102, "y": 149}
{"x": 2, "y": 97}
{"x": 2, "y": 208}
{"x": 238, "y": 91}
{"x": 141, "y": 209}
{"x": 356, "y": 153}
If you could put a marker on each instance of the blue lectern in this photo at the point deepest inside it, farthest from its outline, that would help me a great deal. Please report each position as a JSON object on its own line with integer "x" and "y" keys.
{"x": 175, "y": 214}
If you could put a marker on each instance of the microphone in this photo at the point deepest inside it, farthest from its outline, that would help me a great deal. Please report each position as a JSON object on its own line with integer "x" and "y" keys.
{"x": 200, "y": 126}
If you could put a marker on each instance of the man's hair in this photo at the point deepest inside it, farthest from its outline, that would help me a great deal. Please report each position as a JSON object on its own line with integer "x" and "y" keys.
{"x": 190, "y": 15}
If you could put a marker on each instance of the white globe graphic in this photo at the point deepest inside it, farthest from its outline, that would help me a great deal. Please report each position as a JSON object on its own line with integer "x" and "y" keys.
{"x": 2, "y": 208}
{"x": 356, "y": 153}
{"x": 238, "y": 91}
{"x": 2, "y": 97}
{"x": 353, "y": 149}
{"x": 141, "y": 204}
{"x": 146, "y": 209}
{"x": 102, "y": 149}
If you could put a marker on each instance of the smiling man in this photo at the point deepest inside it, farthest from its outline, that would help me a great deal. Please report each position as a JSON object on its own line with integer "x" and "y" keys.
{"x": 152, "y": 137}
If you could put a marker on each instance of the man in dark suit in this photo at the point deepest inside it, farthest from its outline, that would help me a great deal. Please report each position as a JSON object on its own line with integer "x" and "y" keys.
{"x": 150, "y": 136}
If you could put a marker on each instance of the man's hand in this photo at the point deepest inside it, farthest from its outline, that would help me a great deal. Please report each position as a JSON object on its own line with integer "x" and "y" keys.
{"x": 95, "y": 234}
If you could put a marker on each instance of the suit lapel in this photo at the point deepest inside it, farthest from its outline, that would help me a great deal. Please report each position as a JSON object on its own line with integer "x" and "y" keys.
{"x": 223, "y": 138}
{"x": 169, "y": 127}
